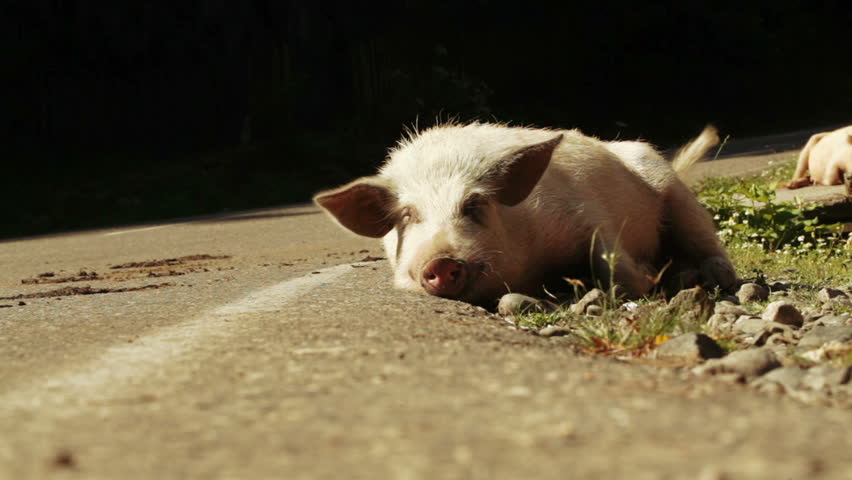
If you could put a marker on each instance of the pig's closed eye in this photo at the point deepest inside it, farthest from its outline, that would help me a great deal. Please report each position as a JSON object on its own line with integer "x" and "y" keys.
{"x": 472, "y": 209}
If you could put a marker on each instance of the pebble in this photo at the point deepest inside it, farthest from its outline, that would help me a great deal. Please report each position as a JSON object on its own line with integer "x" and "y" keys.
{"x": 728, "y": 308}
{"x": 752, "y": 292}
{"x": 512, "y": 303}
{"x": 783, "y": 312}
{"x": 752, "y": 362}
{"x": 775, "y": 339}
{"x": 827, "y": 294}
{"x": 720, "y": 323}
{"x": 825, "y": 376}
{"x": 554, "y": 331}
{"x": 595, "y": 296}
{"x": 831, "y": 321}
{"x": 787, "y": 377}
{"x": 750, "y": 325}
{"x": 690, "y": 346}
{"x": 691, "y": 299}
{"x": 821, "y": 335}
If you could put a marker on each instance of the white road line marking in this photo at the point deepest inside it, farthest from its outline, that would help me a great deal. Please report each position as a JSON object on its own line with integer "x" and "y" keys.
{"x": 122, "y": 232}
{"x": 154, "y": 354}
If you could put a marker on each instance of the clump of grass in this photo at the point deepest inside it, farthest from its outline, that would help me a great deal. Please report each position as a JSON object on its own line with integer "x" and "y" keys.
{"x": 619, "y": 330}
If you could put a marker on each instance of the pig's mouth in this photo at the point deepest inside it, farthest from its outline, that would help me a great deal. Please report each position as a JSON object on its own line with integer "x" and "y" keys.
{"x": 448, "y": 277}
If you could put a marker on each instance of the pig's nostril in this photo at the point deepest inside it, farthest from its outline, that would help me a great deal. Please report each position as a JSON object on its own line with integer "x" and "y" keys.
{"x": 444, "y": 277}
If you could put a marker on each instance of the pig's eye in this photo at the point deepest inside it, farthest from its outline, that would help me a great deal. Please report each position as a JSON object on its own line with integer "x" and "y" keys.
{"x": 472, "y": 208}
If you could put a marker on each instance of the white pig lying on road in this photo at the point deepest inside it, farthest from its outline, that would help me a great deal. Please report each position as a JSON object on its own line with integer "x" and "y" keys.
{"x": 472, "y": 212}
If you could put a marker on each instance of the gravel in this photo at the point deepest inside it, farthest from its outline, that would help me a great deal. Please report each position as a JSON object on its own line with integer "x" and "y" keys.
{"x": 793, "y": 346}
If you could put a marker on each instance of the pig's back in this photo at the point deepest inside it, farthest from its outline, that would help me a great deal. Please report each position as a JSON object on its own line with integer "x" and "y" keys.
{"x": 595, "y": 185}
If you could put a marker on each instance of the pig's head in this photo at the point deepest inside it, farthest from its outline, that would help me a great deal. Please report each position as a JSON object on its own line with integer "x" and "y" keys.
{"x": 446, "y": 206}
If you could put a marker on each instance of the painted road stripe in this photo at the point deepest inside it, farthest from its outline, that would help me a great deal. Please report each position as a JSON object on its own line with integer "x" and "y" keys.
{"x": 153, "y": 354}
{"x": 122, "y": 232}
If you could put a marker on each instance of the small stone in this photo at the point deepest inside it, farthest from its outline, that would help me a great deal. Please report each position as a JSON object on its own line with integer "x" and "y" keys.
{"x": 629, "y": 306}
{"x": 727, "y": 308}
{"x": 822, "y": 335}
{"x": 831, "y": 321}
{"x": 719, "y": 323}
{"x": 752, "y": 292}
{"x": 750, "y": 325}
{"x": 512, "y": 303}
{"x": 691, "y": 299}
{"x": 770, "y": 388}
{"x": 787, "y": 377}
{"x": 690, "y": 346}
{"x": 828, "y": 294}
{"x": 783, "y": 312}
{"x": 594, "y": 310}
{"x": 595, "y": 296}
{"x": 778, "y": 338}
{"x": 823, "y": 376}
{"x": 554, "y": 331}
{"x": 752, "y": 362}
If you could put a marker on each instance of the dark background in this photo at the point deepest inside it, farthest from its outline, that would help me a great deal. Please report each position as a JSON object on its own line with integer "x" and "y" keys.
{"x": 115, "y": 112}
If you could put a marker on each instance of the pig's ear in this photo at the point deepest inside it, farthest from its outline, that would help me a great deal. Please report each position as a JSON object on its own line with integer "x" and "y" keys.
{"x": 362, "y": 206}
{"x": 521, "y": 170}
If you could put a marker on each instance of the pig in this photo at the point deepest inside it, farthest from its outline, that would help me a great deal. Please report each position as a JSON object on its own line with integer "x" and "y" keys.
{"x": 473, "y": 211}
{"x": 828, "y": 157}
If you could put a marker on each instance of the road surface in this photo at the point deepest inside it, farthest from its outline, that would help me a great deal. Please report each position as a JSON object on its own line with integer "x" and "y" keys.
{"x": 269, "y": 344}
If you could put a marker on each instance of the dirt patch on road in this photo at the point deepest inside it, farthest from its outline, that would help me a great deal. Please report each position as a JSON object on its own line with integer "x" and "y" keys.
{"x": 50, "y": 277}
{"x": 168, "y": 262}
{"x": 84, "y": 290}
{"x": 169, "y": 267}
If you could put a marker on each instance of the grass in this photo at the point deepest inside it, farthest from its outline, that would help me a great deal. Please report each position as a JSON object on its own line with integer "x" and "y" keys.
{"x": 767, "y": 241}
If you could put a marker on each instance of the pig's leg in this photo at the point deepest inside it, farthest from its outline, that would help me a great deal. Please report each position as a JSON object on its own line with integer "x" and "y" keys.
{"x": 634, "y": 279}
{"x": 834, "y": 171}
{"x": 694, "y": 237}
{"x": 799, "y": 178}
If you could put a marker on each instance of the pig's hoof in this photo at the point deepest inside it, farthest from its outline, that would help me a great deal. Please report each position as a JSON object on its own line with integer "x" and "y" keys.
{"x": 718, "y": 271}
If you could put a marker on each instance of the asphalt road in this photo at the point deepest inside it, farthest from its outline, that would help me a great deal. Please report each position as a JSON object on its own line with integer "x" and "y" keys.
{"x": 269, "y": 344}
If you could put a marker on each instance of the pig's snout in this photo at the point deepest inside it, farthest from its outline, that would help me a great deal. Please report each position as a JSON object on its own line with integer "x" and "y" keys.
{"x": 444, "y": 277}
